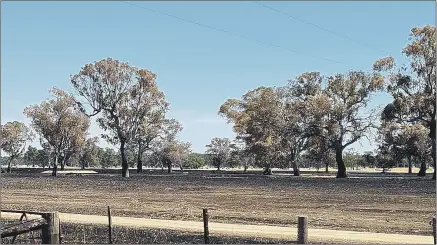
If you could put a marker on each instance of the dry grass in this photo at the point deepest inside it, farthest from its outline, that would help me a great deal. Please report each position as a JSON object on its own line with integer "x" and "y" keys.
{"x": 94, "y": 234}
{"x": 372, "y": 202}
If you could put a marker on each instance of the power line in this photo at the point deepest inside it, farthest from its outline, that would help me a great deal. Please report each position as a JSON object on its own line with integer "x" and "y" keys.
{"x": 230, "y": 33}
{"x": 319, "y": 27}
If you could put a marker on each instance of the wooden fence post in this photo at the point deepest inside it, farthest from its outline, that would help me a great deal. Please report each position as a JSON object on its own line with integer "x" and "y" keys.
{"x": 61, "y": 237}
{"x": 302, "y": 230}
{"x": 109, "y": 225}
{"x": 50, "y": 232}
{"x": 433, "y": 223}
{"x": 205, "y": 226}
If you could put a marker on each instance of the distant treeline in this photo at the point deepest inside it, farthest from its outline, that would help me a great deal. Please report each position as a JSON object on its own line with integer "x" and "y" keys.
{"x": 109, "y": 158}
{"x": 103, "y": 158}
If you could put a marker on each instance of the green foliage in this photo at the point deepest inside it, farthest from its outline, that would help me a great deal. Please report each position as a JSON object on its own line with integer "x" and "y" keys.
{"x": 353, "y": 160}
{"x": 109, "y": 158}
{"x": 221, "y": 149}
{"x": 31, "y": 155}
{"x": 195, "y": 161}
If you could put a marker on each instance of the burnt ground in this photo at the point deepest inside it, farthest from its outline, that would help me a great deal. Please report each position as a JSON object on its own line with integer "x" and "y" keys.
{"x": 391, "y": 203}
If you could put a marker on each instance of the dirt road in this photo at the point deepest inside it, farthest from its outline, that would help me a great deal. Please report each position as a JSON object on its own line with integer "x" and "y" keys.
{"x": 274, "y": 232}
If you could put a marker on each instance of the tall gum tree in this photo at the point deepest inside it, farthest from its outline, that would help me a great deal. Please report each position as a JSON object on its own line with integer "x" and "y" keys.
{"x": 256, "y": 118}
{"x": 14, "y": 136}
{"x": 122, "y": 96}
{"x": 59, "y": 122}
{"x": 296, "y": 133}
{"x": 413, "y": 87}
{"x": 335, "y": 112}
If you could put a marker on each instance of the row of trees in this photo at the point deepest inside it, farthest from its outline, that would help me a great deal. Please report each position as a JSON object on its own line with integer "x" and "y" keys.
{"x": 96, "y": 157}
{"x": 126, "y": 103}
{"x": 312, "y": 117}
{"x": 320, "y": 115}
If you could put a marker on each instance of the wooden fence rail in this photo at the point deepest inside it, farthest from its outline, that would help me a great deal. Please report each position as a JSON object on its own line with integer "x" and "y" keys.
{"x": 22, "y": 227}
{"x": 48, "y": 224}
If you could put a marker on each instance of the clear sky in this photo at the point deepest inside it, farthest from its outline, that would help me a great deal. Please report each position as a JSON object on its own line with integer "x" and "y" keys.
{"x": 43, "y": 43}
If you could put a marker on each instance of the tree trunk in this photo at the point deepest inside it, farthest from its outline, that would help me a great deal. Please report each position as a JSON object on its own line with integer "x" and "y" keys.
{"x": 55, "y": 166}
{"x": 434, "y": 148}
{"x": 296, "y": 170}
{"x": 327, "y": 166}
{"x": 267, "y": 171}
{"x": 245, "y": 168}
{"x": 139, "y": 165}
{"x": 139, "y": 158}
{"x": 433, "y": 175}
{"x": 422, "y": 171}
{"x": 61, "y": 159}
{"x": 67, "y": 159}
{"x": 410, "y": 167}
{"x": 124, "y": 163}
{"x": 341, "y": 173}
{"x": 9, "y": 169}
{"x": 217, "y": 162}
{"x": 432, "y": 135}
{"x": 169, "y": 168}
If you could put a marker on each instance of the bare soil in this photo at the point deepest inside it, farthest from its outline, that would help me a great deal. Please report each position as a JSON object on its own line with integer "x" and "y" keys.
{"x": 391, "y": 203}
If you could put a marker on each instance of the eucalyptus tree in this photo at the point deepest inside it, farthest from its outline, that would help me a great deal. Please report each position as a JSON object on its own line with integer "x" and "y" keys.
{"x": 221, "y": 149}
{"x": 14, "y": 137}
{"x": 335, "y": 112}
{"x": 257, "y": 120}
{"x": 413, "y": 86}
{"x": 122, "y": 95}
{"x": 59, "y": 122}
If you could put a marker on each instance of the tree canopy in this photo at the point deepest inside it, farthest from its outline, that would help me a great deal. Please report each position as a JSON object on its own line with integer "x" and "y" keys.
{"x": 14, "y": 136}
{"x": 122, "y": 95}
{"x": 60, "y": 124}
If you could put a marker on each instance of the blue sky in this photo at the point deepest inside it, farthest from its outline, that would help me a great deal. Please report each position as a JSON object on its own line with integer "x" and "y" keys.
{"x": 43, "y": 43}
